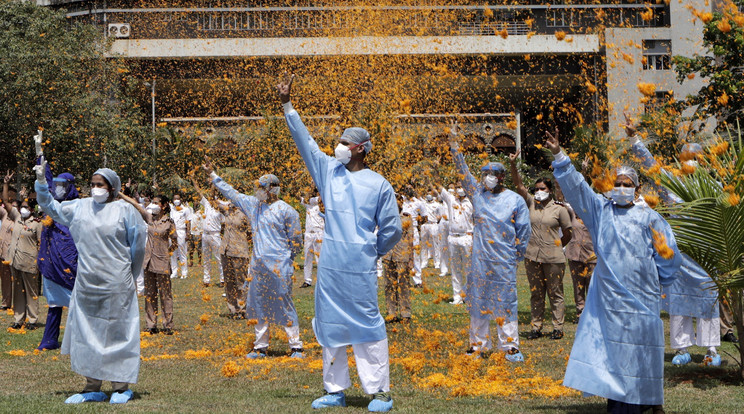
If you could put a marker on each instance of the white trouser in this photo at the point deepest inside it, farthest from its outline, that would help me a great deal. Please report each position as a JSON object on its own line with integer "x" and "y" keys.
{"x": 140, "y": 281}
{"x": 312, "y": 250}
{"x": 460, "y": 248}
{"x": 372, "y": 363}
{"x": 444, "y": 257}
{"x": 211, "y": 243}
{"x": 429, "y": 241}
{"x": 262, "y": 336}
{"x": 681, "y": 332}
{"x": 178, "y": 258}
{"x": 480, "y": 335}
{"x": 379, "y": 268}
{"x": 416, "y": 257}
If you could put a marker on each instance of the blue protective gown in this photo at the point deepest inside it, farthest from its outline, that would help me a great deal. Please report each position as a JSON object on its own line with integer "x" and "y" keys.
{"x": 501, "y": 232}
{"x": 58, "y": 255}
{"x": 277, "y": 238}
{"x": 618, "y": 352}
{"x": 102, "y": 331}
{"x": 693, "y": 292}
{"x": 346, "y": 308}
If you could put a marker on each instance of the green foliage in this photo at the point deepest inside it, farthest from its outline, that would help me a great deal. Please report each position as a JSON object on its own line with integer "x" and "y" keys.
{"x": 54, "y": 76}
{"x": 722, "y": 64}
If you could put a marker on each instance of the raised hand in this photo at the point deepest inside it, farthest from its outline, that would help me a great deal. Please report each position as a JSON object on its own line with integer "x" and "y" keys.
{"x": 453, "y": 135}
{"x": 37, "y": 142}
{"x": 40, "y": 170}
{"x": 513, "y": 157}
{"x": 8, "y": 176}
{"x": 552, "y": 142}
{"x": 284, "y": 88}
{"x": 207, "y": 166}
{"x": 630, "y": 129}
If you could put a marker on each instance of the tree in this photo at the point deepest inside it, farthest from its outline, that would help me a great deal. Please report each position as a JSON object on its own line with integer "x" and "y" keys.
{"x": 54, "y": 76}
{"x": 722, "y": 65}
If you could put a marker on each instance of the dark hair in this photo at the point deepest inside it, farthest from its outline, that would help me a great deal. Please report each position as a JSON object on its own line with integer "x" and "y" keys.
{"x": 164, "y": 201}
{"x": 548, "y": 183}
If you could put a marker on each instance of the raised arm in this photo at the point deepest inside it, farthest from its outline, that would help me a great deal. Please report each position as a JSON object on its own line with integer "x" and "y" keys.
{"x": 666, "y": 254}
{"x": 469, "y": 184}
{"x": 316, "y": 161}
{"x": 516, "y": 178}
{"x": 6, "y": 194}
{"x": 389, "y": 230}
{"x": 146, "y": 216}
{"x": 247, "y": 204}
{"x": 136, "y": 237}
{"x": 585, "y": 202}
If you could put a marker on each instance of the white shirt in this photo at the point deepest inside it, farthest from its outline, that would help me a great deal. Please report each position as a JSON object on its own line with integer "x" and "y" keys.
{"x": 180, "y": 217}
{"x": 212, "y": 218}
{"x": 414, "y": 208}
{"x": 314, "y": 222}
{"x": 196, "y": 223}
{"x": 433, "y": 211}
{"x": 460, "y": 213}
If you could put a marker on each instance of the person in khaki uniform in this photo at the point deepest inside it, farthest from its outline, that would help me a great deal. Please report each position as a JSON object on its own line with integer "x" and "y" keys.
{"x": 581, "y": 260}
{"x": 236, "y": 251}
{"x": 162, "y": 241}
{"x": 6, "y": 232}
{"x": 398, "y": 265}
{"x": 21, "y": 256}
{"x": 544, "y": 262}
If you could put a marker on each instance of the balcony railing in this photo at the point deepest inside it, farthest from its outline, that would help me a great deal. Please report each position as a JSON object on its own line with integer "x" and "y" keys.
{"x": 330, "y": 21}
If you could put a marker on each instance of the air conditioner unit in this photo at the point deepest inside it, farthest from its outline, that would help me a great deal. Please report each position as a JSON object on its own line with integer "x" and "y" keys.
{"x": 119, "y": 30}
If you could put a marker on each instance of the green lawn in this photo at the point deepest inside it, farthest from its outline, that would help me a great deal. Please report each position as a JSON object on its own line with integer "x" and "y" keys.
{"x": 186, "y": 372}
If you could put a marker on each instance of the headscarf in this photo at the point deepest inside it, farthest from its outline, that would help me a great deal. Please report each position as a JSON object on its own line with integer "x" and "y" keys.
{"x": 111, "y": 178}
{"x": 69, "y": 180}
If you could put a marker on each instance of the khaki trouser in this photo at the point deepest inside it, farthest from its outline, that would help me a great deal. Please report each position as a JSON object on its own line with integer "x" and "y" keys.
{"x": 546, "y": 278}
{"x": 25, "y": 295}
{"x": 581, "y": 274}
{"x": 235, "y": 270}
{"x": 397, "y": 288}
{"x": 157, "y": 284}
{"x": 94, "y": 385}
{"x": 7, "y": 285}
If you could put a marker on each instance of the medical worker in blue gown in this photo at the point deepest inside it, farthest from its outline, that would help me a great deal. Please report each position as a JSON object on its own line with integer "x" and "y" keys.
{"x": 277, "y": 238}
{"x": 618, "y": 352}
{"x": 57, "y": 261}
{"x": 357, "y": 201}
{"x": 691, "y": 295}
{"x": 102, "y": 330}
{"x": 501, "y": 232}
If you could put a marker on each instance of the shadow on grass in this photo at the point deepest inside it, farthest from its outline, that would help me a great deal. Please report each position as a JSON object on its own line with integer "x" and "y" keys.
{"x": 573, "y": 408}
{"x": 700, "y": 376}
{"x": 136, "y": 395}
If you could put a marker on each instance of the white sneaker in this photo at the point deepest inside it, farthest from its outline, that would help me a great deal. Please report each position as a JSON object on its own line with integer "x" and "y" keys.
{"x": 173, "y": 276}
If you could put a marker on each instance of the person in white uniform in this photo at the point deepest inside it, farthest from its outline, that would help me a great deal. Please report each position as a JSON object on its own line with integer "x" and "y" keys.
{"x": 181, "y": 216}
{"x": 212, "y": 220}
{"x": 430, "y": 233}
{"x": 314, "y": 225}
{"x": 460, "y": 237}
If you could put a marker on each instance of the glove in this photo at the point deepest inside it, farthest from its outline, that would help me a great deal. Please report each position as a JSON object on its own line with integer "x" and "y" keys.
{"x": 40, "y": 171}
{"x": 37, "y": 143}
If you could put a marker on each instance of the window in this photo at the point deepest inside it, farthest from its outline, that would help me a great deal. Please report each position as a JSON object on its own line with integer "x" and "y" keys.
{"x": 559, "y": 18}
{"x": 657, "y": 54}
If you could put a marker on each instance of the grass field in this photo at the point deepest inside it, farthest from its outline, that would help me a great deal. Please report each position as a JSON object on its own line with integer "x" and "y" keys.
{"x": 202, "y": 367}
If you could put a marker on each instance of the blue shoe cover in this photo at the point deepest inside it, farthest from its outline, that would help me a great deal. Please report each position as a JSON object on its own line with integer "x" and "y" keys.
{"x": 86, "y": 397}
{"x": 256, "y": 354}
{"x": 379, "y": 405}
{"x": 121, "y": 397}
{"x": 682, "y": 359}
{"x": 713, "y": 361}
{"x": 336, "y": 399}
{"x": 515, "y": 357}
{"x": 297, "y": 354}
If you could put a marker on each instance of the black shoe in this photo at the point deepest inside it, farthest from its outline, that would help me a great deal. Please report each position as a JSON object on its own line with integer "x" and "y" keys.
{"x": 405, "y": 319}
{"x": 418, "y": 286}
{"x": 556, "y": 334}
{"x": 152, "y": 331}
{"x": 31, "y": 327}
{"x": 305, "y": 285}
{"x": 534, "y": 335}
{"x": 16, "y": 326}
{"x": 5, "y": 308}
{"x": 167, "y": 331}
{"x": 729, "y": 337}
{"x": 221, "y": 285}
{"x": 392, "y": 320}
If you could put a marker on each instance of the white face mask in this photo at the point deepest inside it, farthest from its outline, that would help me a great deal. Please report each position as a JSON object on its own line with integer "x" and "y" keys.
{"x": 100, "y": 195}
{"x": 622, "y": 195}
{"x": 25, "y": 213}
{"x": 313, "y": 201}
{"x": 142, "y": 200}
{"x": 429, "y": 197}
{"x": 490, "y": 182}
{"x": 60, "y": 191}
{"x": 461, "y": 192}
{"x": 176, "y": 203}
{"x": 451, "y": 190}
{"x": 541, "y": 195}
{"x": 261, "y": 194}
{"x": 343, "y": 154}
{"x": 153, "y": 209}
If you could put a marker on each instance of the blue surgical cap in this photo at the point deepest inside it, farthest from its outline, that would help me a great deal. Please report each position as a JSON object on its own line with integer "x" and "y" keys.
{"x": 494, "y": 166}
{"x": 111, "y": 177}
{"x": 268, "y": 180}
{"x": 629, "y": 172}
{"x": 358, "y": 136}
